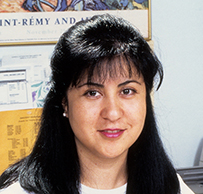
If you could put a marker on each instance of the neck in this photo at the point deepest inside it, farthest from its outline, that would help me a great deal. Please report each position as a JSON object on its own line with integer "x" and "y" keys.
{"x": 103, "y": 173}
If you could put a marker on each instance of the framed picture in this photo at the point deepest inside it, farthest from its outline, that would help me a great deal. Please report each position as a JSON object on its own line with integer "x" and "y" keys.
{"x": 43, "y": 21}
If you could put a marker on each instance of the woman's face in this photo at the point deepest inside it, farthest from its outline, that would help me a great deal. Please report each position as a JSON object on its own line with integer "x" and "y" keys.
{"x": 107, "y": 117}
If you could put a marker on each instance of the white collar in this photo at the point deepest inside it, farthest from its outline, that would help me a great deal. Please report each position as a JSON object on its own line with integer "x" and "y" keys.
{"x": 88, "y": 190}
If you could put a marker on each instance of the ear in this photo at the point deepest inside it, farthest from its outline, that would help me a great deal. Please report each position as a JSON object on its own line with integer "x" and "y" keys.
{"x": 65, "y": 107}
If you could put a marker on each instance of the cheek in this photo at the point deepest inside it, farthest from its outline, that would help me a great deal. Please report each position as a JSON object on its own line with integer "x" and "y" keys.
{"x": 142, "y": 116}
{"x": 81, "y": 116}
{"x": 137, "y": 116}
{"x": 137, "y": 111}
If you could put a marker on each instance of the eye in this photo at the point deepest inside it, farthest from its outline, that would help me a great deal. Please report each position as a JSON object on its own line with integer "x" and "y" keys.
{"x": 128, "y": 91}
{"x": 92, "y": 94}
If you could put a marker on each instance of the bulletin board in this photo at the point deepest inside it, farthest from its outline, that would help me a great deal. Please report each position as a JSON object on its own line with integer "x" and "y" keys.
{"x": 24, "y": 83}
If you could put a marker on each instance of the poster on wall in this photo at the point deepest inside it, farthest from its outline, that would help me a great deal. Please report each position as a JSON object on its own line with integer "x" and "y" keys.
{"x": 43, "y": 21}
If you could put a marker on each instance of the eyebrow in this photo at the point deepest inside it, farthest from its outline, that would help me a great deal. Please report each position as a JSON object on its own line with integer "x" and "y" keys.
{"x": 91, "y": 84}
{"x": 102, "y": 86}
{"x": 127, "y": 82}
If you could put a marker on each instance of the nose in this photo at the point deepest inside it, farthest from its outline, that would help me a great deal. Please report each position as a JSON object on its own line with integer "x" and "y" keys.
{"x": 112, "y": 109}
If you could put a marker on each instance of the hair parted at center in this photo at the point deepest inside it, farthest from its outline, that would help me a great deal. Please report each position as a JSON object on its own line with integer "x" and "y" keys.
{"x": 90, "y": 47}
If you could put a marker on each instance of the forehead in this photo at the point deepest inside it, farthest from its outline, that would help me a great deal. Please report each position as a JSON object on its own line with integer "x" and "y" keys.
{"x": 110, "y": 69}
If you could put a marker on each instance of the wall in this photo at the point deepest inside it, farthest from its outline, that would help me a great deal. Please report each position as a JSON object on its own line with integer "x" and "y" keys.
{"x": 177, "y": 28}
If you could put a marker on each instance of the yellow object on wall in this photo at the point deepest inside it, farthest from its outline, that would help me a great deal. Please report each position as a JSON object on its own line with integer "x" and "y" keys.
{"x": 18, "y": 131}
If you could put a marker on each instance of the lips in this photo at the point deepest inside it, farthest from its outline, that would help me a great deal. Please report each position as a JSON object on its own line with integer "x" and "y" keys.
{"x": 112, "y": 133}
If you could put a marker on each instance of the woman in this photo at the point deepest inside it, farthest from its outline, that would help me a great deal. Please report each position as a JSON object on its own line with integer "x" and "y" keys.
{"x": 98, "y": 132}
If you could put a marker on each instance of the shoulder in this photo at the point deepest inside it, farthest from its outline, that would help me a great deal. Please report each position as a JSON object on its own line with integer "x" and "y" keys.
{"x": 15, "y": 188}
{"x": 184, "y": 189}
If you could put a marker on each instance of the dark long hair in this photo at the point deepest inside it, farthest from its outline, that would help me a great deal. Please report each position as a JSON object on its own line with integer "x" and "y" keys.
{"x": 53, "y": 165}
